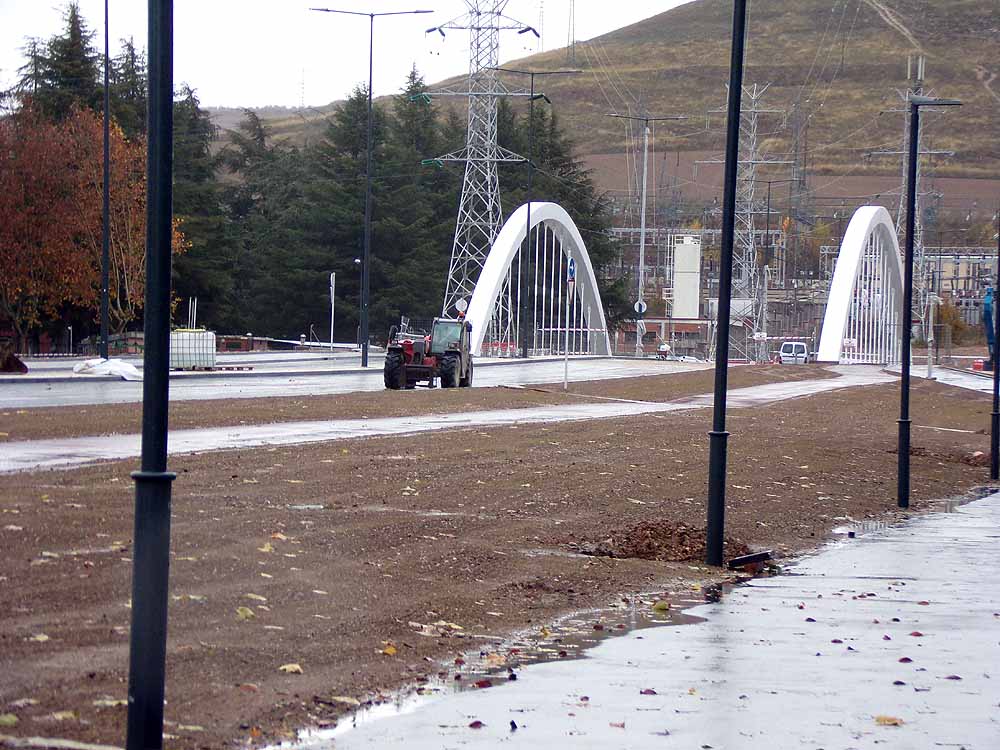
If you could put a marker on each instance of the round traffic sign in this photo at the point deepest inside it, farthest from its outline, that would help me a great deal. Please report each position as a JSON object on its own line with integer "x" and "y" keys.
{"x": 640, "y": 307}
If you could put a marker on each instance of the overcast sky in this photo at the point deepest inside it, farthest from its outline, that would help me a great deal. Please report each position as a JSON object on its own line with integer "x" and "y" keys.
{"x": 259, "y": 52}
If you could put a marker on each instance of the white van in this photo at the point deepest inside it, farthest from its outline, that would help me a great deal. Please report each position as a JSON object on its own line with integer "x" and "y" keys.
{"x": 793, "y": 353}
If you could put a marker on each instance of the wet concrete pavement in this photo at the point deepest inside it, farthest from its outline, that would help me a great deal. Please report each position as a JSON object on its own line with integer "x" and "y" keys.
{"x": 314, "y": 376}
{"x": 890, "y": 640}
{"x": 73, "y": 452}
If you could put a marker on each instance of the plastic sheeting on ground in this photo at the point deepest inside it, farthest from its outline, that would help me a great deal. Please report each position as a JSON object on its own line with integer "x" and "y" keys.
{"x": 116, "y": 367}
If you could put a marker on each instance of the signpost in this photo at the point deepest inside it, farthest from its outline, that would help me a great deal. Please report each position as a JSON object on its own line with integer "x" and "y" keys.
{"x": 570, "y": 286}
{"x": 640, "y": 308}
{"x": 333, "y": 287}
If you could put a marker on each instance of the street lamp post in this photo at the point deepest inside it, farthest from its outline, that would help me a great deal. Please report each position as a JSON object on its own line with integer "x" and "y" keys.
{"x": 106, "y": 221}
{"x": 718, "y": 437}
{"x": 640, "y": 303}
{"x": 903, "y": 444}
{"x": 151, "y": 536}
{"x": 525, "y": 271}
{"x": 995, "y": 414}
{"x": 366, "y": 264}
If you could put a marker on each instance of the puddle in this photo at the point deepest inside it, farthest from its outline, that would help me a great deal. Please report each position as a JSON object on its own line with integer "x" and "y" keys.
{"x": 568, "y": 639}
{"x": 946, "y": 505}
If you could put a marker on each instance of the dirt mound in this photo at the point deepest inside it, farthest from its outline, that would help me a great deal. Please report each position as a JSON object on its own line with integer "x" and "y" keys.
{"x": 665, "y": 541}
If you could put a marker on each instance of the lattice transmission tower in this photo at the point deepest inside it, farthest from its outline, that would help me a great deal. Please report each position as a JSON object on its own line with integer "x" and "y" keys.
{"x": 750, "y": 280}
{"x": 479, "y": 210}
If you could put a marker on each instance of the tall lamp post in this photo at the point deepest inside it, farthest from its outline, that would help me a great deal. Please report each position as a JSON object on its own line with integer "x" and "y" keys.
{"x": 525, "y": 271}
{"x": 718, "y": 437}
{"x": 151, "y": 537}
{"x": 106, "y": 221}
{"x": 995, "y": 415}
{"x": 903, "y": 445}
{"x": 366, "y": 257}
{"x": 640, "y": 304}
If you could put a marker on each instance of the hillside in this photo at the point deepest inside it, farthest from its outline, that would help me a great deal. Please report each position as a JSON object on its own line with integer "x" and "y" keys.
{"x": 839, "y": 63}
{"x": 842, "y": 60}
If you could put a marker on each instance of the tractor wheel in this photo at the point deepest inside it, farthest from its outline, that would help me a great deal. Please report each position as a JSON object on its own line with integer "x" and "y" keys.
{"x": 467, "y": 380}
{"x": 394, "y": 372}
{"x": 449, "y": 372}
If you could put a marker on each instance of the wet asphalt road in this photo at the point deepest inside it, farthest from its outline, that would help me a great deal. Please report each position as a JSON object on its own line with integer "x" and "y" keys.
{"x": 890, "y": 640}
{"x": 307, "y": 377}
{"x": 73, "y": 452}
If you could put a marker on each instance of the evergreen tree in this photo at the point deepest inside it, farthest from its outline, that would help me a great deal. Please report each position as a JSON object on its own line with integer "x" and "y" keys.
{"x": 205, "y": 270}
{"x": 129, "y": 89}
{"x": 68, "y": 71}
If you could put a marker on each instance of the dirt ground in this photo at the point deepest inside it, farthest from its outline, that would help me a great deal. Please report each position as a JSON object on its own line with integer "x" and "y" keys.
{"x": 374, "y": 564}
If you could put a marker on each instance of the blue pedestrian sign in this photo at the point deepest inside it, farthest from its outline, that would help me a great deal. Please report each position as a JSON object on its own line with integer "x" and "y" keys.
{"x": 571, "y": 271}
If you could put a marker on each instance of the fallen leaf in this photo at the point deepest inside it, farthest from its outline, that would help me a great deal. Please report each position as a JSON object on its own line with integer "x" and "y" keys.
{"x": 290, "y": 669}
{"x": 477, "y": 724}
{"x": 917, "y": 634}
{"x": 485, "y": 683}
{"x": 244, "y": 613}
{"x": 661, "y": 606}
{"x": 24, "y": 703}
{"x": 647, "y": 691}
{"x": 346, "y": 700}
{"x": 8, "y": 720}
{"x": 39, "y": 638}
{"x": 266, "y": 548}
{"x": 279, "y": 536}
{"x": 617, "y": 724}
{"x": 63, "y": 715}
{"x": 905, "y": 660}
{"x": 953, "y": 677}
{"x": 255, "y": 597}
{"x": 390, "y": 650}
{"x": 190, "y": 728}
{"x": 110, "y": 702}
{"x": 888, "y": 721}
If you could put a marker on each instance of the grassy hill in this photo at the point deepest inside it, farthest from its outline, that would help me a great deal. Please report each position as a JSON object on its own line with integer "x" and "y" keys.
{"x": 843, "y": 61}
{"x": 839, "y": 63}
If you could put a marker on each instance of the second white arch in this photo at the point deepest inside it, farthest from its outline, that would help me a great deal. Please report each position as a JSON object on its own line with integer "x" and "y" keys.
{"x": 864, "y": 321}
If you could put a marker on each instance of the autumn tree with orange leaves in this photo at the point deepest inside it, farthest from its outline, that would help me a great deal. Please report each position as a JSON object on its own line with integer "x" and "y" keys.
{"x": 51, "y": 184}
{"x": 127, "y": 245}
{"x": 42, "y": 263}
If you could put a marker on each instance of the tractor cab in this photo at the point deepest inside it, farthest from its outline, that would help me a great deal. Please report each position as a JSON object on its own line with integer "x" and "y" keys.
{"x": 449, "y": 335}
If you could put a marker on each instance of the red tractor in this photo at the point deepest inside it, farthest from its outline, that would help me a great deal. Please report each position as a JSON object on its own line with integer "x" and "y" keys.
{"x": 415, "y": 356}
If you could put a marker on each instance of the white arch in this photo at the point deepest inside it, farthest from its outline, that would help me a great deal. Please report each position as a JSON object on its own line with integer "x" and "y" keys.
{"x": 864, "y": 307}
{"x": 505, "y": 249}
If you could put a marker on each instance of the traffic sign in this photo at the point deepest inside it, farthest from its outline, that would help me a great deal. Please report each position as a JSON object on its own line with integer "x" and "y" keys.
{"x": 640, "y": 307}
{"x": 571, "y": 271}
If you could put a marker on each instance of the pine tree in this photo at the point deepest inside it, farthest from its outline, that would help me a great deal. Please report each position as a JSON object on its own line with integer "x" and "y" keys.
{"x": 129, "y": 89}
{"x": 68, "y": 71}
{"x": 205, "y": 270}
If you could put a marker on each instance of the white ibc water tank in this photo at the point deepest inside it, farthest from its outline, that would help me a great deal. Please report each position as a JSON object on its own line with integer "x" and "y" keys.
{"x": 191, "y": 349}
